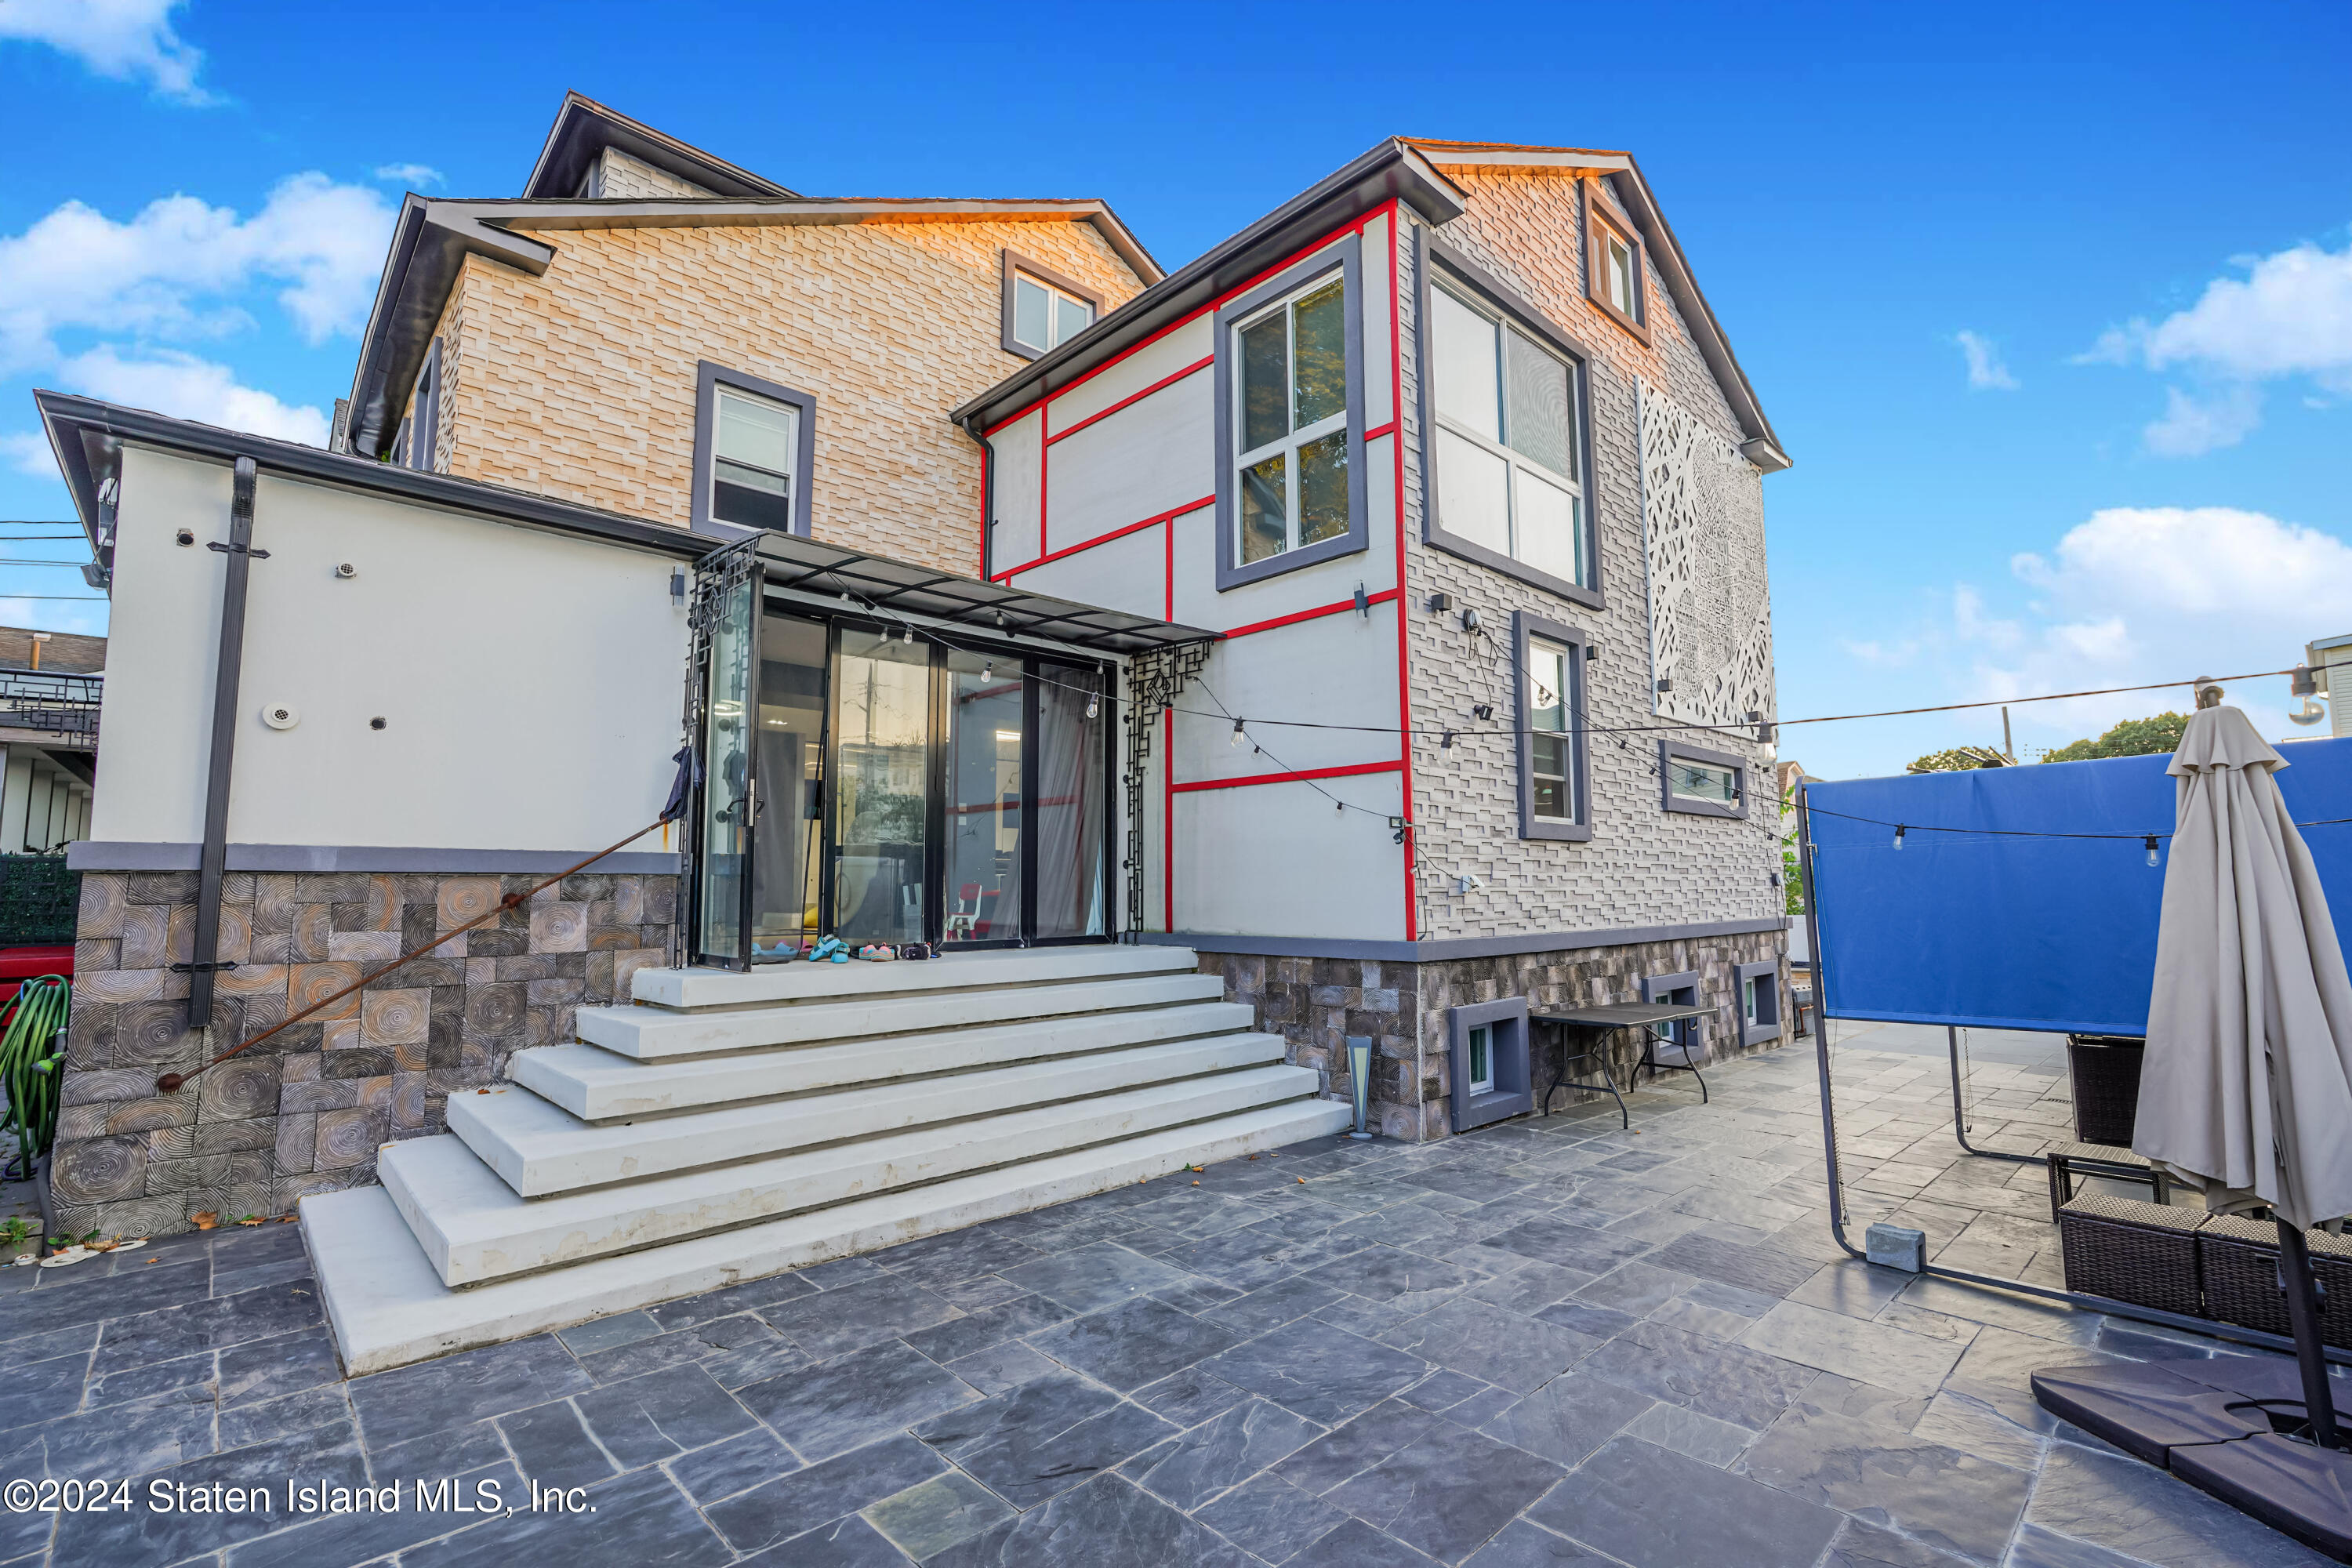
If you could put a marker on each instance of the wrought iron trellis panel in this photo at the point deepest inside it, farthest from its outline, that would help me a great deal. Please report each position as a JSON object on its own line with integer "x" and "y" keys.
{"x": 1155, "y": 680}
{"x": 716, "y": 575}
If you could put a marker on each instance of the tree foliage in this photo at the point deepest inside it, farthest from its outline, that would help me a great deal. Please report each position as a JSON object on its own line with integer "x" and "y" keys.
{"x": 2132, "y": 738}
{"x": 1958, "y": 759}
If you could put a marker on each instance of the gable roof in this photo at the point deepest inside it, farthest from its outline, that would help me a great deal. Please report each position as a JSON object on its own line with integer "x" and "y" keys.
{"x": 1761, "y": 446}
{"x": 1410, "y": 169}
{"x": 585, "y": 128}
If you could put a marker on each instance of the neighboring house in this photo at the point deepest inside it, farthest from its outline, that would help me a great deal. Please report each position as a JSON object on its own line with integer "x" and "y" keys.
{"x": 49, "y": 689}
{"x": 1361, "y": 631}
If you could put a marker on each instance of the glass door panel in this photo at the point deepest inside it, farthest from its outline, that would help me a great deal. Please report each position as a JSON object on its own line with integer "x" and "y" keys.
{"x": 881, "y": 787}
{"x": 982, "y": 895}
{"x": 789, "y": 821}
{"x": 1072, "y": 805}
{"x": 725, "y": 833}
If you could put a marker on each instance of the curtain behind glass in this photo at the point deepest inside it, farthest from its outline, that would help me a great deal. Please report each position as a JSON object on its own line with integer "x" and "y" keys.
{"x": 983, "y": 814}
{"x": 1069, "y": 812}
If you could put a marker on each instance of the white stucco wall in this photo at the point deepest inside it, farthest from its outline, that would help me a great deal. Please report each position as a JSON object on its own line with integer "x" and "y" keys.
{"x": 530, "y": 681}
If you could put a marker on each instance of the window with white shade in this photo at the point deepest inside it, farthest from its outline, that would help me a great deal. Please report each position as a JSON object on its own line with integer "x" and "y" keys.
{"x": 1292, "y": 404}
{"x": 1042, "y": 310}
{"x": 1701, "y": 783}
{"x": 1508, "y": 478}
{"x": 754, "y": 460}
{"x": 752, "y": 463}
{"x": 1552, "y": 790}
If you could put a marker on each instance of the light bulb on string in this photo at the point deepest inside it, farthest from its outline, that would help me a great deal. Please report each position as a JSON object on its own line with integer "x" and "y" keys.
{"x": 1094, "y": 704}
{"x": 987, "y": 671}
{"x": 1237, "y": 733}
{"x": 1899, "y": 831}
{"x": 2151, "y": 848}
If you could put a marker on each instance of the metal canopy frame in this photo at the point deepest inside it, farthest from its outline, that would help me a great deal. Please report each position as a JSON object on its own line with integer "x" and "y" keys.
{"x": 2207, "y": 1327}
{"x": 816, "y": 569}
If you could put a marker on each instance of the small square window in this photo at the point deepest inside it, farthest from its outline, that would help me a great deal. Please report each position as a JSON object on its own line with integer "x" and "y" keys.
{"x": 1759, "y": 1002}
{"x": 1615, "y": 274}
{"x": 1701, "y": 783}
{"x": 1042, "y": 310}
{"x": 1488, "y": 1077}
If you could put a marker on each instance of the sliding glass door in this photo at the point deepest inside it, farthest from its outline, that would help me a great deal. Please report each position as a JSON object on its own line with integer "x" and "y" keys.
{"x": 984, "y": 799}
{"x": 882, "y": 786}
{"x": 1070, "y": 807}
{"x": 788, "y": 826}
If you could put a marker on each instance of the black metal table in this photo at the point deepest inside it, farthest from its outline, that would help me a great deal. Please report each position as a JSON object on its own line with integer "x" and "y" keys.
{"x": 1599, "y": 1023}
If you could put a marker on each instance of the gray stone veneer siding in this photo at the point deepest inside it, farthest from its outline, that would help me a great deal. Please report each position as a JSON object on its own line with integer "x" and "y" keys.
{"x": 1315, "y": 1002}
{"x": 307, "y": 1110}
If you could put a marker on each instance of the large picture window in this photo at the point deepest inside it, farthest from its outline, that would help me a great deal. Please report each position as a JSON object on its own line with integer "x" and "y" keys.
{"x": 1507, "y": 445}
{"x": 1551, "y": 712}
{"x": 1290, "y": 418}
{"x": 752, "y": 464}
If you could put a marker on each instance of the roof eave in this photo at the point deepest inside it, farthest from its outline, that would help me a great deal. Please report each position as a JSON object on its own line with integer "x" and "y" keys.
{"x": 583, "y": 127}
{"x": 1392, "y": 171}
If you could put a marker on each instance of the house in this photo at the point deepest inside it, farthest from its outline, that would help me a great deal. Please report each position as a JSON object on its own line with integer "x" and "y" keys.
{"x": 1360, "y": 632}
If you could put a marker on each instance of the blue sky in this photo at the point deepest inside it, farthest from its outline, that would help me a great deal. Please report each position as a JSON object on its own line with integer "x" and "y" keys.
{"x": 2052, "y": 305}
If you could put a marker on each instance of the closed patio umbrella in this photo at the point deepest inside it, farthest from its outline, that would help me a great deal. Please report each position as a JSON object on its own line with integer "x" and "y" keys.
{"x": 2246, "y": 1090}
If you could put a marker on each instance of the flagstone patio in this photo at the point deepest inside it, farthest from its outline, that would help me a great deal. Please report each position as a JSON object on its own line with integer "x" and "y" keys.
{"x": 1551, "y": 1341}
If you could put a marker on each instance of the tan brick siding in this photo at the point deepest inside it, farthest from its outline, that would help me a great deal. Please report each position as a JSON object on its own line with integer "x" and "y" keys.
{"x": 580, "y": 384}
{"x": 625, "y": 176}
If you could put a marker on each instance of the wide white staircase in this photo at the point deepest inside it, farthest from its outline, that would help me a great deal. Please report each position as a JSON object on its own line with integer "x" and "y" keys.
{"x": 730, "y": 1126}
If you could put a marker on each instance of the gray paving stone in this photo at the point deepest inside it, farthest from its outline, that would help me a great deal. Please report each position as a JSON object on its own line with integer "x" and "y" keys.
{"x": 1271, "y": 1518}
{"x": 924, "y": 1521}
{"x": 1493, "y": 1345}
{"x": 1026, "y": 1466}
{"x": 1656, "y": 1509}
{"x": 653, "y": 1417}
{"x": 735, "y": 1464}
{"x": 1702, "y": 1437}
{"x": 835, "y": 1323}
{"x": 849, "y": 1543}
{"x": 2136, "y": 1509}
{"x": 1271, "y": 1306}
{"x": 1950, "y": 1500}
{"x": 2037, "y": 1547}
{"x": 640, "y": 1519}
{"x": 1004, "y": 1367}
{"x": 1861, "y": 1545}
{"x": 1051, "y": 1404}
{"x": 1525, "y": 1545}
{"x": 1356, "y": 1544}
{"x": 1447, "y": 1494}
{"x": 1095, "y": 1277}
{"x": 1133, "y": 1343}
{"x": 1194, "y": 1466}
{"x": 1105, "y": 1522}
{"x": 1324, "y": 1373}
{"x": 454, "y": 1391}
{"x": 1771, "y": 1271}
{"x": 794, "y": 1504}
{"x": 859, "y": 1398}
{"x": 1730, "y": 1383}
{"x": 1567, "y": 1246}
{"x": 552, "y": 1448}
{"x": 1567, "y": 1417}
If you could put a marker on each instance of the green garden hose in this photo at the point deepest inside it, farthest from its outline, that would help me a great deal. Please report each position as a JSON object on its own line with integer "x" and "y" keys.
{"x": 32, "y": 1061}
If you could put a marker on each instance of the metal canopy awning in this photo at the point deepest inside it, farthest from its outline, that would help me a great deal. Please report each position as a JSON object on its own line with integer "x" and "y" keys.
{"x": 895, "y": 588}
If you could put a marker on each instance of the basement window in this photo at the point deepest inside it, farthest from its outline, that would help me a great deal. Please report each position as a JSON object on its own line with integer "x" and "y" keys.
{"x": 1042, "y": 310}
{"x": 1759, "y": 1002}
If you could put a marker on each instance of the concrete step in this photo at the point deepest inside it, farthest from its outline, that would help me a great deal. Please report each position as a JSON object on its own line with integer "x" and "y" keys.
{"x": 657, "y": 1034}
{"x": 802, "y": 981}
{"x": 389, "y": 1309}
{"x": 475, "y": 1228}
{"x": 537, "y": 1148}
{"x": 597, "y": 1085}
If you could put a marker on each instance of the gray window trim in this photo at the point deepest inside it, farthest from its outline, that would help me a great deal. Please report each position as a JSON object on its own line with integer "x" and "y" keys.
{"x": 1347, "y": 258}
{"x": 1513, "y": 1094}
{"x": 1017, "y": 262}
{"x": 1599, "y": 215}
{"x": 1669, "y": 750}
{"x": 1525, "y": 624}
{"x": 1770, "y": 969}
{"x": 424, "y": 412}
{"x": 708, "y": 378}
{"x": 1660, "y": 987}
{"x": 1428, "y": 250}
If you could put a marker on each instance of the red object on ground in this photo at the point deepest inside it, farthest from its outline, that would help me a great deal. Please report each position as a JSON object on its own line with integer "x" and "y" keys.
{"x": 18, "y": 964}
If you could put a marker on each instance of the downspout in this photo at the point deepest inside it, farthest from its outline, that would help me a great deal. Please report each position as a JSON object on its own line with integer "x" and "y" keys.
{"x": 204, "y": 958}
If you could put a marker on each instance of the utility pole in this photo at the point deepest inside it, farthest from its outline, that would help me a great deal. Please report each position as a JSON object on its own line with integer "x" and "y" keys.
{"x": 2008, "y": 747}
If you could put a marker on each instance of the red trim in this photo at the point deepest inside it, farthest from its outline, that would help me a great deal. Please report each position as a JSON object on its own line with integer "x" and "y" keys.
{"x": 1167, "y": 583}
{"x": 1404, "y": 665}
{"x": 986, "y": 451}
{"x": 1043, "y": 445}
{"x": 1187, "y": 319}
{"x": 1375, "y": 433}
{"x": 1168, "y": 823}
{"x": 1104, "y": 538}
{"x": 1160, "y": 385}
{"x": 1382, "y": 597}
{"x": 1350, "y": 771}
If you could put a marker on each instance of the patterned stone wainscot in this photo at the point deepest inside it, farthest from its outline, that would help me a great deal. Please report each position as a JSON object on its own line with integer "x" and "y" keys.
{"x": 305, "y": 1111}
{"x": 1316, "y": 1003}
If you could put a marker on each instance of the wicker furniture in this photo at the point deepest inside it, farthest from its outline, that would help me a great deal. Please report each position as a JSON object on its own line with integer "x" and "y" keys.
{"x": 2144, "y": 1254}
{"x": 2106, "y": 1071}
{"x": 2069, "y": 1161}
{"x": 2238, "y": 1260}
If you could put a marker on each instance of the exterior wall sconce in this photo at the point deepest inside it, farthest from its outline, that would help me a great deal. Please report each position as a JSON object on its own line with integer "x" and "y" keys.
{"x": 1481, "y": 712}
{"x": 1665, "y": 683}
{"x": 1440, "y": 602}
{"x": 676, "y": 588}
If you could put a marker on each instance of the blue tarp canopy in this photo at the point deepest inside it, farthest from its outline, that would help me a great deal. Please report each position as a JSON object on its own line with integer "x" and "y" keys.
{"x": 2050, "y": 933}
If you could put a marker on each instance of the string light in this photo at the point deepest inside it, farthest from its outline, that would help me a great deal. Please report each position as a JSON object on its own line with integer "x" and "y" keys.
{"x": 1447, "y": 743}
{"x": 2151, "y": 848}
{"x": 1237, "y": 734}
{"x": 987, "y": 670}
{"x": 1899, "y": 831}
{"x": 1094, "y": 704}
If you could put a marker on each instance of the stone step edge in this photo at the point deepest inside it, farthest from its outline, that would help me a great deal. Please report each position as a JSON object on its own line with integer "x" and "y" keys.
{"x": 552, "y": 1081}
{"x": 637, "y": 1032}
{"x": 403, "y": 1166}
{"x": 387, "y": 1308}
{"x": 955, "y": 970}
{"x": 515, "y": 1151}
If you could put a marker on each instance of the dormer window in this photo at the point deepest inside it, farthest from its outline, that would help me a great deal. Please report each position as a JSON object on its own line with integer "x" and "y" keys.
{"x": 1042, "y": 310}
{"x": 1615, "y": 276}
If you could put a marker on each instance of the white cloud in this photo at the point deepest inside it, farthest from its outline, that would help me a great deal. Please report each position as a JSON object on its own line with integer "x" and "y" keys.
{"x": 128, "y": 40}
{"x": 2193, "y": 427}
{"x": 168, "y": 272}
{"x": 28, "y": 452}
{"x": 169, "y": 382}
{"x": 2145, "y": 593}
{"x": 415, "y": 176}
{"x": 1986, "y": 371}
{"x": 2290, "y": 315}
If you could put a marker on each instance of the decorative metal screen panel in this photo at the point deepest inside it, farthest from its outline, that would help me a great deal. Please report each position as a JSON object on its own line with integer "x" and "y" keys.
{"x": 1703, "y": 527}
